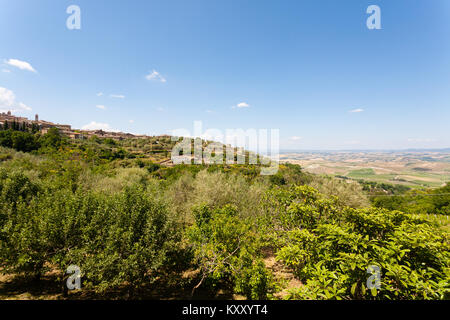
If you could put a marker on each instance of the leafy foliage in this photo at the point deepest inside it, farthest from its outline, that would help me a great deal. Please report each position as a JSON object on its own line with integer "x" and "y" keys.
{"x": 117, "y": 240}
{"x": 225, "y": 250}
{"x": 330, "y": 250}
{"x": 432, "y": 201}
{"x": 128, "y": 222}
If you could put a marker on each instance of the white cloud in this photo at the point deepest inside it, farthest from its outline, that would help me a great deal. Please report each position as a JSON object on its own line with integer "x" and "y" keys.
{"x": 209, "y": 111}
{"x": 131, "y": 121}
{"x": 100, "y": 106}
{"x": 241, "y": 105}
{"x": 98, "y": 126}
{"x": 295, "y": 138}
{"x": 160, "y": 109}
{"x": 99, "y": 94}
{"x": 6, "y": 70}
{"x": 356, "y": 110}
{"x": 117, "y": 96}
{"x": 8, "y": 102}
{"x": 22, "y": 65}
{"x": 156, "y": 76}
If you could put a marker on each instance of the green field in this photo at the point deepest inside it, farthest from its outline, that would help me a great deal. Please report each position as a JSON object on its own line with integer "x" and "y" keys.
{"x": 420, "y": 169}
{"x": 361, "y": 173}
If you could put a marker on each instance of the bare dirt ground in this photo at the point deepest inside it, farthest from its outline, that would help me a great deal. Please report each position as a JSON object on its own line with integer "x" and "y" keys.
{"x": 49, "y": 288}
{"x": 283, "y": 276}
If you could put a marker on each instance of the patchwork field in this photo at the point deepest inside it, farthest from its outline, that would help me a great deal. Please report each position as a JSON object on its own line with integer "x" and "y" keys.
{"x": 412, "y": 168}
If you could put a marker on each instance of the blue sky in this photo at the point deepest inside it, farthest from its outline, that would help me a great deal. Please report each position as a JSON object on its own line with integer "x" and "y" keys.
{"x": 298, "y": 66}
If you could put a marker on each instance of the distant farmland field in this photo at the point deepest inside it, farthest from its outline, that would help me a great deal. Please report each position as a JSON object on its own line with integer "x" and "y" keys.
{"x": 361, "y": 173}
{"x": 419, "y": 169}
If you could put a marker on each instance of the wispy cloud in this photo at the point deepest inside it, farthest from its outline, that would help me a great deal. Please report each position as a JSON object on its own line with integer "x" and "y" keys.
{"x": 22, "y": 65}
{"x": 100, "y": 106}
{"x": 8, "y": 102}
{"x": 295, "y": 138}
{"x": 416, "y": 140}
{"x": 6, "y": 70}
{"x": 131, "y": 121}
{"x": 117, "y": 96}
{"x": 160, "y": 109}
{"x": 99, "y": 94}
{"x": 155, "y": 76}
{"x": 356, "y": 110}
{"x": 352, "y": 142}
{"x": 241, "y": 105}
{"x": 98, "y": 126}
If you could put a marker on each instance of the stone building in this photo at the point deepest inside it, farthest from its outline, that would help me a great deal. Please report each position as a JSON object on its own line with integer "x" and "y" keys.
{"x": 64, "y": 129}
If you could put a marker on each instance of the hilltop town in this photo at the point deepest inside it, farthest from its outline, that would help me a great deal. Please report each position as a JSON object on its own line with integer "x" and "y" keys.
{"x": 156, "y": 148}
{"x": 8, "y": 119}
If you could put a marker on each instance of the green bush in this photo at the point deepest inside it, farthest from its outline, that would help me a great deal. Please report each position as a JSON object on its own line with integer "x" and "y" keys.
{"x": 52, "y": 139}
{"x": 432, "y": 201}
{"x": 135, "y": 244}
{"x": 117, "y": 240}
{"x": 19, "y": 140}
{"x": 121, "y": 220}
{"x": 225, "y": 249}
{"x": 330, "y": 250}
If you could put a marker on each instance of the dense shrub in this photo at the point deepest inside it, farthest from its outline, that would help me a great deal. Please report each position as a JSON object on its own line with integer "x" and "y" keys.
{"x": 52, "y": 139}
{"x": 226, "y": 250}
{"x": 216, "y": 189}
{"x": 19, "y": 140}
{"x": 121, "y": 220}
{"x": 17, "y": 232}
{"x": 432, "y": 201}
{"x": 133, "y": 247}
{"x": 116, "y": 240}
{"x": 349, "y": 193}
{"x": 330, "y": 250}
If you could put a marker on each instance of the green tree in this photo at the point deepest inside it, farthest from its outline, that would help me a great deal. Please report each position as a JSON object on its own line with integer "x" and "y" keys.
{"x": 225, "y": 248}
{"x": 52, "y": 139}
{"x": 330, "y": 249}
